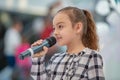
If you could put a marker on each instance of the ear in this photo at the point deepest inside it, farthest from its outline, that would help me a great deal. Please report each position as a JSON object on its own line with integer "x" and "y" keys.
{"x": 78, "y": 27}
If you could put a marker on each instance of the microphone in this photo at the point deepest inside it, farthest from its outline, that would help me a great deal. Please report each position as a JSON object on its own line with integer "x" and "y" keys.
{"x": 29, "y": 52}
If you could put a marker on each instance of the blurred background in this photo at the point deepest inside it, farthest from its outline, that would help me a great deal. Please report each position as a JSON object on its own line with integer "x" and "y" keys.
{"x": 24, "y": 21}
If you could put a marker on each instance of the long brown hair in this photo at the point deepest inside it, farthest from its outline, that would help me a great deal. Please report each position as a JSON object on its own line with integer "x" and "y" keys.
{"x": 89, "y": 36}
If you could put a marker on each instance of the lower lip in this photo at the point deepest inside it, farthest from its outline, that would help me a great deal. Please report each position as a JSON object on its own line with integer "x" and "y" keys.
{"x": 59, "y": 39}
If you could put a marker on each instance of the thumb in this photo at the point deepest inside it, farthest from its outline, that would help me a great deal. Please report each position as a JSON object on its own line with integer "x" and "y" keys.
{"x": 45, "y": 49}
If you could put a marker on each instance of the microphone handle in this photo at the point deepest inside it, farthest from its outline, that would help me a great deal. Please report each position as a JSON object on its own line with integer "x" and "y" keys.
{"x": 33, "y": 50}
{"x": 40, "y": 47}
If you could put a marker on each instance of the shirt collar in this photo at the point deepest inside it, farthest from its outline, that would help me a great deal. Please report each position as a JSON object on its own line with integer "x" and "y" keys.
{"x": 80, "y": 53}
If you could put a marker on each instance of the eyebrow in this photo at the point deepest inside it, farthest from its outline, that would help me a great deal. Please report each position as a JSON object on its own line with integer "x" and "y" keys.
{"x": 58, "y": 23}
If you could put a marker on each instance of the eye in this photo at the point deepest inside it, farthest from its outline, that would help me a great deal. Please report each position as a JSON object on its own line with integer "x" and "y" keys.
{"x": 53, "y": 28}
{"x": 60, "y": 26}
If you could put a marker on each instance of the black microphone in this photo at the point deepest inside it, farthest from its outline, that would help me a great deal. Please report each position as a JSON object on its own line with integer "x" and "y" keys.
{"x": 29, "y": 52}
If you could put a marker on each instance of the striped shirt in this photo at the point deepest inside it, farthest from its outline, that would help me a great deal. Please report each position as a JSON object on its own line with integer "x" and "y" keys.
{"x": 87, "y": 65}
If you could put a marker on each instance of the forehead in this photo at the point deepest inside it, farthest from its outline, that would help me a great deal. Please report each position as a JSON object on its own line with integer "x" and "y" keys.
{"x": 60, "y": 17}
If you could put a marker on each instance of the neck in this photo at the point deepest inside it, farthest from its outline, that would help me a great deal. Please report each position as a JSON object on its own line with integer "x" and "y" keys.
{"x": 75, "y": 47}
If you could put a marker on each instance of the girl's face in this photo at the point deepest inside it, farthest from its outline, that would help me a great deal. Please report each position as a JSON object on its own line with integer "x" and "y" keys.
{"x": 64, "y": 32}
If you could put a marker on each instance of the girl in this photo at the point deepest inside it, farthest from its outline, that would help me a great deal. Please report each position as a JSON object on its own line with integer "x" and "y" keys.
{"x": 76, "y": 29}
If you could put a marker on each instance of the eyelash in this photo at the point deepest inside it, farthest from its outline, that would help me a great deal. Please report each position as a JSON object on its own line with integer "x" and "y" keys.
{"x": 58, "y": 27}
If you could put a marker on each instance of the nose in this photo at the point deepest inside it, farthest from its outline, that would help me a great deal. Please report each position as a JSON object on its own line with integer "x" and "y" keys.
{"x": 56, "y": 32}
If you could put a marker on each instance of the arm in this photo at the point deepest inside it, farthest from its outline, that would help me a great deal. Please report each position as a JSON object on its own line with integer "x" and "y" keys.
{"x": 95, "y": 68}
{"x": 38, "y": 69}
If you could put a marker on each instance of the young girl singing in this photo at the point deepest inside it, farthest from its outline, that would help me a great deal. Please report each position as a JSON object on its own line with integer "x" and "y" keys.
{"x": 76, "y": 29}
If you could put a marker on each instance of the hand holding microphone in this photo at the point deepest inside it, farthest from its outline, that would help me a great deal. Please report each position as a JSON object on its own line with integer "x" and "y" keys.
{"x": 39, "y": 48}
{"x": 41, "y": 53}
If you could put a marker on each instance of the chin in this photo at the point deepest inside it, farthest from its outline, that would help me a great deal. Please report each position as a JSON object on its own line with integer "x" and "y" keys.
{"x": 60, "y": 44}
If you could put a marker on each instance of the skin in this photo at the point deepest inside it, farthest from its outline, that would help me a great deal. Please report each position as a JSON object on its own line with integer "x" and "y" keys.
{"x": 65, "y": 34}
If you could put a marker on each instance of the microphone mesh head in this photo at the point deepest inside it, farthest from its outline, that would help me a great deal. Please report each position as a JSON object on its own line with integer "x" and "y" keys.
{"x": 51, "y": 41}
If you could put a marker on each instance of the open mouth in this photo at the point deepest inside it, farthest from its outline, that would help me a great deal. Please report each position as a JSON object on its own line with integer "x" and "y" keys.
{"x": 58, "y": 38}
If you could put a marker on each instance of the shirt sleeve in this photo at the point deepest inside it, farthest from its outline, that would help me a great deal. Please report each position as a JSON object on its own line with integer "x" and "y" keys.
{"x": 38, "y": 69}
{"x": 95, "y": 67}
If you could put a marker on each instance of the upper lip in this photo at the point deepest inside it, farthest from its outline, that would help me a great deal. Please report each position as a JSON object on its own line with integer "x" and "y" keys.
{"x": 57, "y": 37}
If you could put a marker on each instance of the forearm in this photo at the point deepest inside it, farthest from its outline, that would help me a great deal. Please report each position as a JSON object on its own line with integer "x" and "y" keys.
{"x": 38, "y": 71}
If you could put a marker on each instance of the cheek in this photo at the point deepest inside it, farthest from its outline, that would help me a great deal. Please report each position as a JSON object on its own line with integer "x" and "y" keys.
{"x": 67, "y": 35}
{"x": 66, "y": 38}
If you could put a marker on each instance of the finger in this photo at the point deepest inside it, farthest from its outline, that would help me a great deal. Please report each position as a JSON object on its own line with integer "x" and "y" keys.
{"x": 41, "y": 53}
{"x": 37, "y": 43}
{"x": 45, "y": 49}
{"x": 36, "y": 55}
{"x": 33, "y": 44}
